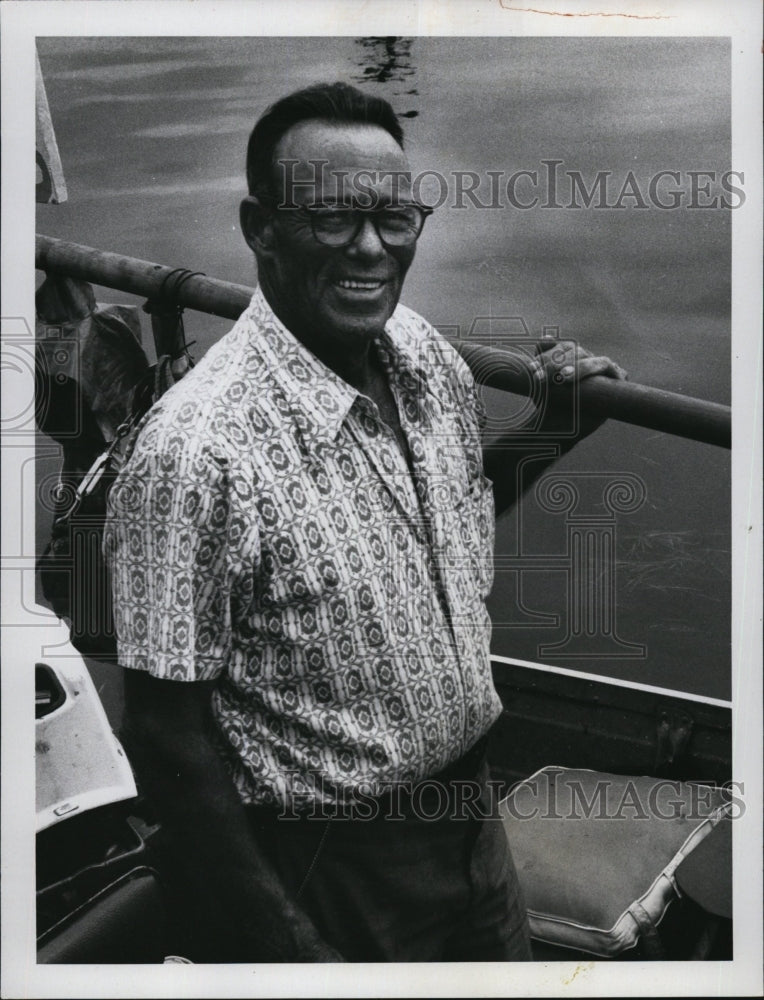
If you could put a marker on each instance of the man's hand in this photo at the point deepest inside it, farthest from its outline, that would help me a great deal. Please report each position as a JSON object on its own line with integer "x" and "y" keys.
{"x": 563, "y": 362}
{"x": 559, "y": 365}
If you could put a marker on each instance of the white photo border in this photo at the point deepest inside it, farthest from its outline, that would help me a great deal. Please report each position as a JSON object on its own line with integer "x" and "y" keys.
{"x": 21, "y": 23}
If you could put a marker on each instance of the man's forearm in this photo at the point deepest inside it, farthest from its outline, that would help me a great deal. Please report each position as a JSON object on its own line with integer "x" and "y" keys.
{"x": 513, "y": 463}
{"x": 238, "y": 906}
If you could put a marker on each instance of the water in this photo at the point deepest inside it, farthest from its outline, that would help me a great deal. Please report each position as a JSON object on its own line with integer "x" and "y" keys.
{"x": 152, "y": 134}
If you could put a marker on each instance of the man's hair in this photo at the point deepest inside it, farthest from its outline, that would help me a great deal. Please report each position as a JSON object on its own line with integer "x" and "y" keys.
{"x": 331, "y": 102}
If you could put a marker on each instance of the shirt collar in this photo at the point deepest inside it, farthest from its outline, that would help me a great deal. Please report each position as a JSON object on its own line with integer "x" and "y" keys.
{"x": 319, "y": 399}
{"x": 403, "y": 363}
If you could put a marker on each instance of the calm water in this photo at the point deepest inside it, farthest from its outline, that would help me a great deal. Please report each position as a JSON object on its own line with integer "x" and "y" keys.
{"x": 152, "y": 136}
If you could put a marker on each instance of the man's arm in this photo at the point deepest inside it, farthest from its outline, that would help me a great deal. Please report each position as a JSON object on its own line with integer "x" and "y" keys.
{"x": 167, "y": 543}
{"x": 506, "y": 460}
{"x": 239, "y": 910}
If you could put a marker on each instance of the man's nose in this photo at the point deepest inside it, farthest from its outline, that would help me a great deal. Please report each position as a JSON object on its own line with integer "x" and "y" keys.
{"x": 367, "y": 243}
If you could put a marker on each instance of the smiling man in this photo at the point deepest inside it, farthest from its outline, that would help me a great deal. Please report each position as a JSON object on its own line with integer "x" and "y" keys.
{"x": 327, "y": 271}
{"x": 300, "y": 546}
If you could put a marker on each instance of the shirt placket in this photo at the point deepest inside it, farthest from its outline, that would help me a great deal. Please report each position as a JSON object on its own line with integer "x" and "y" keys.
{"x": 434, "y": 531}
{"x": 379, "y": 445}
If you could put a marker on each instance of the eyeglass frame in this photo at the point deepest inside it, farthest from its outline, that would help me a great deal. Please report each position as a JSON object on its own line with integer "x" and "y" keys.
{"x": 360, "y": 214}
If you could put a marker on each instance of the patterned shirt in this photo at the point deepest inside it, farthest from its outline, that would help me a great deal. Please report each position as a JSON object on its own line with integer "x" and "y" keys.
{"x": 268, "y": 532}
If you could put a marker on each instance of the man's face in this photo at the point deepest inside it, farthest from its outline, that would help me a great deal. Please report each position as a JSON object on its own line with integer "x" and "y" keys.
{"x": 342, "y": 295}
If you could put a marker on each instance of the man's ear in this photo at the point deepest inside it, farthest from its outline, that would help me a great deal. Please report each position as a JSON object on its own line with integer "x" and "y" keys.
{"x": 256, "y": 224}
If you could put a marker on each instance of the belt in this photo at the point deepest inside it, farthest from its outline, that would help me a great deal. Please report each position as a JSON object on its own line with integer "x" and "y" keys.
{"x": 433, "y": 795}
{"x": 465, "y": 767}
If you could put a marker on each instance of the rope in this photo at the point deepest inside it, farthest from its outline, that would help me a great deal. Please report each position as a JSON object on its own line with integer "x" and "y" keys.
{"x": 168, "y": 294}
{"x": 172, "y": 291}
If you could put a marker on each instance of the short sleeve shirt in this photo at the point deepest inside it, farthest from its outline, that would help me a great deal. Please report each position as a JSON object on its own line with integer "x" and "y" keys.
{"x": 268, "y": 533}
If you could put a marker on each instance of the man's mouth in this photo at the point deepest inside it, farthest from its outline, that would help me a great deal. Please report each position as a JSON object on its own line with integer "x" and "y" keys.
{"x": 361, "y": 286}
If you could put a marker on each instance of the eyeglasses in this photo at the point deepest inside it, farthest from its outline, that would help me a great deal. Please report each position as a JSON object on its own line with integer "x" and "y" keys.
{"x": 339, "y": 225}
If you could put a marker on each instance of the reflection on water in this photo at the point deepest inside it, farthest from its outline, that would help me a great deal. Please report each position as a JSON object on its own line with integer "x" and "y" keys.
{"x": 385, "y": 60}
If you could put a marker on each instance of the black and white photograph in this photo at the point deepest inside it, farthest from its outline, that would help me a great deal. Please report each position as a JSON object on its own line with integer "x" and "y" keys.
{"x": 381, "y": 499}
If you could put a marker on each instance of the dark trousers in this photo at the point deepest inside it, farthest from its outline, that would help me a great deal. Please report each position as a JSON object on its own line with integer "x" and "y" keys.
{"x": 410, "y": 889}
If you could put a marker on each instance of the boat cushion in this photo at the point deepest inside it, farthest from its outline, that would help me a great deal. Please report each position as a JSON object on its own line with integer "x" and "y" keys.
{"x": 596, "y": 853}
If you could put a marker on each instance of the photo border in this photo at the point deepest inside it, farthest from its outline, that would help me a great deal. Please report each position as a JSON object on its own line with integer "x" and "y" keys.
{"x": 21, "y": 23}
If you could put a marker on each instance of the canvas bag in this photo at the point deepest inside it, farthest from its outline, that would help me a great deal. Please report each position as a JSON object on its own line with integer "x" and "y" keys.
{"x": 94, "y": 385}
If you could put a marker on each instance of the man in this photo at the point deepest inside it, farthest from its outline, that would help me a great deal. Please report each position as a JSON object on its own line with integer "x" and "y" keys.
{"x": 300, "y": 549}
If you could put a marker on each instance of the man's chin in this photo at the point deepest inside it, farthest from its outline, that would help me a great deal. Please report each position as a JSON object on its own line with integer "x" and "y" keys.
{"x": 355, "y": 328}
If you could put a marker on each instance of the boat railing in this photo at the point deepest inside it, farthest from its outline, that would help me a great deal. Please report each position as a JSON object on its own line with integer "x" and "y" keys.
{"x": 642, "y": 405}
